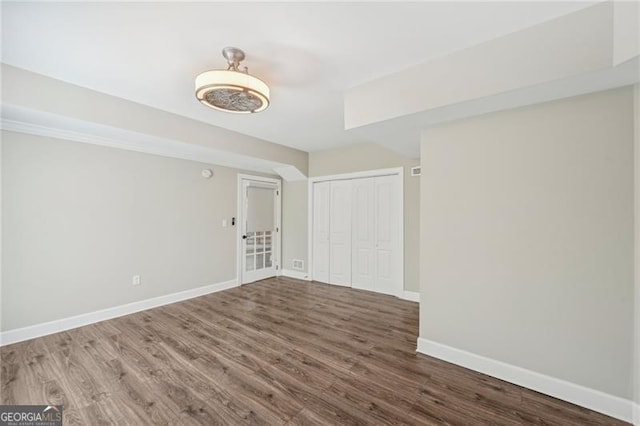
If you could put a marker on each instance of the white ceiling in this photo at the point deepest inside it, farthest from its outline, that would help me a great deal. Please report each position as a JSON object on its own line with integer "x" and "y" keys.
{"x": 309, "y": 53}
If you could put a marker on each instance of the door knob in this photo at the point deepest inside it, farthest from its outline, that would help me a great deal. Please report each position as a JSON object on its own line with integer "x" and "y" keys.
{"x": 244, "y": 237}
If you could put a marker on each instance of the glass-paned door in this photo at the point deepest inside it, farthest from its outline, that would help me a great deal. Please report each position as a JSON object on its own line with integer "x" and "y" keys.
{"x": 259, "y": 232}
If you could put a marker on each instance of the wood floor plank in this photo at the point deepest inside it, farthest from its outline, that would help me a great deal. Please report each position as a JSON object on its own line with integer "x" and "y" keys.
{"x": 30, "y": 374}
{"x": 323, "y": 407}
{"x": 557, "y": 412}
{"x": 137, "y": 398}
{"x": 193, "y": 397}
{"x": 308, "y": 369}
{"x": 280, "y": 351}
{"x": 386, "y": 406}
{"x": 306, "y": 418}
{"x": 75, "y": 371}
{"x": 260, "y": 393}
{"x": 447, "y": 402}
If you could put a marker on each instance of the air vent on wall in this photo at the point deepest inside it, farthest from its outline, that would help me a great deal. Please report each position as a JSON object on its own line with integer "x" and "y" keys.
{"x": 416, "y": 171}
{"x": 298, "y": 264}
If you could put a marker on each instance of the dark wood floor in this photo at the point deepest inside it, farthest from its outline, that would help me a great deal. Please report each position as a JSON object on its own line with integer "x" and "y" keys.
{"x": 280, "y": 351}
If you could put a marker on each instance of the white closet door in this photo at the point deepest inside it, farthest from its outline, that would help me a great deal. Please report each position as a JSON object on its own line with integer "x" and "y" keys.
{"x": 340, "y": 233}
{"x": 387, "y": 235}
{"x": 321, "y": 211}
{"x": 363, "y": 274}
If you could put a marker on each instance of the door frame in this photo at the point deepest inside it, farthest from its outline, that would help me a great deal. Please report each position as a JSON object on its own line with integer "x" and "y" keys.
{"x": 240, "y": 222}
{"x": 394, "y": 171}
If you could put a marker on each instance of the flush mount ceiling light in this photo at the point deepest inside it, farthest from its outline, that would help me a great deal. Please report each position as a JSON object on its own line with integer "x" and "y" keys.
{"x": 232, "y": 90}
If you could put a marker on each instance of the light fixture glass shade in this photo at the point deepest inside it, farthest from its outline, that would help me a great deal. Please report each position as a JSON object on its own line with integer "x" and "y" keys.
{"x": 232, "y": 91}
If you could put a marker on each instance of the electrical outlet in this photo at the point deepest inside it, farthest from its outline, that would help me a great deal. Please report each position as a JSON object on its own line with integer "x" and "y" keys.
{"x": 297, "y": 264}
{"x": 136, "y": 280}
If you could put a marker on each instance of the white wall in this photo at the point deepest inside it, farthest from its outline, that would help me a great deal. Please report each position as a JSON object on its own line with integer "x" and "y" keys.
{"x": 570, "y": 45}
{"x": 370, "y": 156}
{"x": 527, "y": 238}
{"x": 80, "y": 220}
{"x": 36, "y": 92}
{"x": 626, "y": 31}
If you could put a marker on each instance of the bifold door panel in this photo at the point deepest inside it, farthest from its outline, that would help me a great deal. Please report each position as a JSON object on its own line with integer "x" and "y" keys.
{"x": 340, "y": 233}
{"x": 364, "y": 242}
{"x": 375, "y": 225}
{"x": 321, "y": 212}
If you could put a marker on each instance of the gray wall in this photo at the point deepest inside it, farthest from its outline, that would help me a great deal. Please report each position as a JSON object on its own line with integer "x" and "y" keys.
{"x": 527, "y": 238}
{"x": 80, "y": 220}
{"x": 637, "y": 240}
{"x": 203, "y": 253}
{"x": 294, "y": 223}
{"x": 370, "y": 156}
{"x": 1, "y": 236}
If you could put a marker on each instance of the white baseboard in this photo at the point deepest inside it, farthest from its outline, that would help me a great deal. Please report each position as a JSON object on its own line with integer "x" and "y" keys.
{"x": 636, "y": 414}
{"x": 601, "y": 402}
{"x": 290, "y": 273}
{"x": 38, "y": 330}
{"x": 413, "y": 296}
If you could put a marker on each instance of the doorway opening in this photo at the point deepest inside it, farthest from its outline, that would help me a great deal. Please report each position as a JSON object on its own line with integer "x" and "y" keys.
{"x": 259, "y": 225}
{"x": 356, "y": 230}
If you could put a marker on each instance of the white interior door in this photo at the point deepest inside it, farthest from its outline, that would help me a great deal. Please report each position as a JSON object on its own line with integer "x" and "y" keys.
{"x": 320, "y": 220}
{"x": 356, "y": 232}
{"x": 376, "y": 235}
{"x": 340, "y": 233}
{"x": 363, "y": 273}
{"x": 387, "y": 236}
{"x": 260, "y": 229}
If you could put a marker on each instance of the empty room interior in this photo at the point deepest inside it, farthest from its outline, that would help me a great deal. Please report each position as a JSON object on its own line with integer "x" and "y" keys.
{"x": 320, "y": 213}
